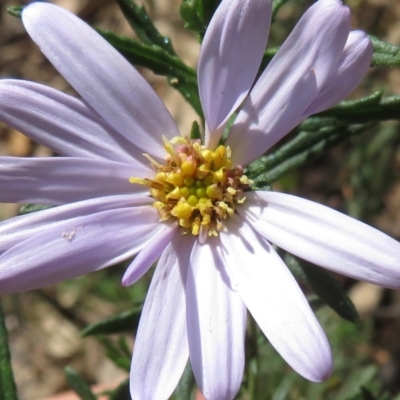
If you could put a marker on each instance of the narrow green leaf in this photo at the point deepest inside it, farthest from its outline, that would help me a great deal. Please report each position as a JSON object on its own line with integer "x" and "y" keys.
{"x": 303, "y": 141}
{"x": 189, "y": 12}
{"x": 313, "y": 131}
{"x": 195, "y": 131}
{"x": 282, "y": 390}
{"x": 326, "y": 287}
{"x": 293, "y": 264}
{"x": 385, "y": 54}
{"x": 206, "y": 9}
{"x": 78, "y": 384}
{"x": 180, "y": 76}
{"x": 114, "y": 353}
{"x": 373, "y": 99}
{"x": 141, "y": 23}
{"x": 8, "y": 389}
{"x": 189, "y": 92}
{"x": 30, "y": 208}
{"x": 126, "y": 321}
{"x": 285, "y": 159}
{"x": 123, "y": 347}
{"x": 267, "y": 57}
{"x": 386, "y": 109}
{"x": 317, "y": 122}
{"x": 185, "y": 387}
{"x": 358, "y": 378}
{"x": 385, "y": 60}
{"x": 150, "y": 56}
{"x": 261, "y": 184}
{"x": 121, "y": 392}
{"x": 384, "y": 47}
{"x": 15, "y": 11}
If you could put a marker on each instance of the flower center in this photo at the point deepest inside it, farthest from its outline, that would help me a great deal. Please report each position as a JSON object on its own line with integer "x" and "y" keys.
{"x": 196, "y": 186}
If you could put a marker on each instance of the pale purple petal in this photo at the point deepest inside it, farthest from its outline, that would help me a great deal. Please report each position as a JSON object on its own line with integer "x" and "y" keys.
{"x": 101, "y": 75}
{"x": 216, "y": 322}
{"x": 291, "y": 81}
{"x": 276, "y": 302}
{"x": 161, "y": 347}
{"x": 77, "y": 247}
{"x": 352, "y": 67}
{"x": 325, "y": 237}
{"x": 145, "y": 259}
{"x": 231, "y": 54}
{"x": 59, "y": 180}
{"x": 15, "y": 230}
{"x": 63, "y": 123}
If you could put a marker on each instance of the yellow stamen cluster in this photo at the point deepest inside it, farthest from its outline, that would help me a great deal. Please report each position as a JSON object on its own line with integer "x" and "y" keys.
{"x": 196, "y": 186}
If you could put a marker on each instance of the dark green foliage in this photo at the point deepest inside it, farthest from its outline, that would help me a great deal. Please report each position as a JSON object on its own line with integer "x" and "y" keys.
{"x": 196, "y": 15}
{"x": 15, "y": 11}
{"x": 186, "y": 385}
{"x": 121, "y": 392}
{"x": 117, "y": 352}
{"x": 195, "y": 131}
{"x": 126, "y": 321}
{"x": 325, "y": 286}
{"x": 161, "y": 62}
{"x": 8, "y": 390}
{"x": 78, "y": 384}
{"x": 385, "y": 54}
{"x": 30, "y": 208}
{"x": 141, "y": 23}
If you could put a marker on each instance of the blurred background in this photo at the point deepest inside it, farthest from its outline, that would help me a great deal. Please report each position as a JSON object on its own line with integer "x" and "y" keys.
{"x": 360, "y": 177}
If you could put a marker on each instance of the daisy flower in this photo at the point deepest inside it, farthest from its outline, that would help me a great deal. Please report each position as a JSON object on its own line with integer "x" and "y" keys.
{"x": 127, "y": 183}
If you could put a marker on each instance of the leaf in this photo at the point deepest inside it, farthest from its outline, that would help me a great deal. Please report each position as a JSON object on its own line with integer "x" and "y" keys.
{"x": 366, "y": 109}
{"x": 193, "y": 21}
{"x": 197, "y": 14}
{"x": 267, "y": 57}
{"x": 357, "y": 379}
{"x": 15, "y": 11}
{"x": 141, "y": 23}
{"x": 150, "y": 56}
{"x": 190, "y": 93}
{"x": 30, "y": 208}
{"x": 78, "y": 384}
{"x": 124, "y": 348}
{"x": 326, "y": 287}
{"x": 121, "y": 392}
{"x": 351, "y": 105}
{"x": 282, "y": 390}
{"x": 385, "y": 54}
{"x": 180, "y": 76}
{"x": 305, "y": 146}
{"x": 206, "y": 9}
{"x": 185, "y": 387}
{"x": 120, "y": 323}
{"x": 8, "y": 389}
{"x": 195, "y": 131}
{"x": 115, "y": 354}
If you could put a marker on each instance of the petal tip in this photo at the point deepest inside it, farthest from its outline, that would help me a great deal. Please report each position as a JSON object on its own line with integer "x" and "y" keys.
{"x": 321, "y": 368}
{"x": 125, "y": 282}
{"x": 323, "y": 373}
